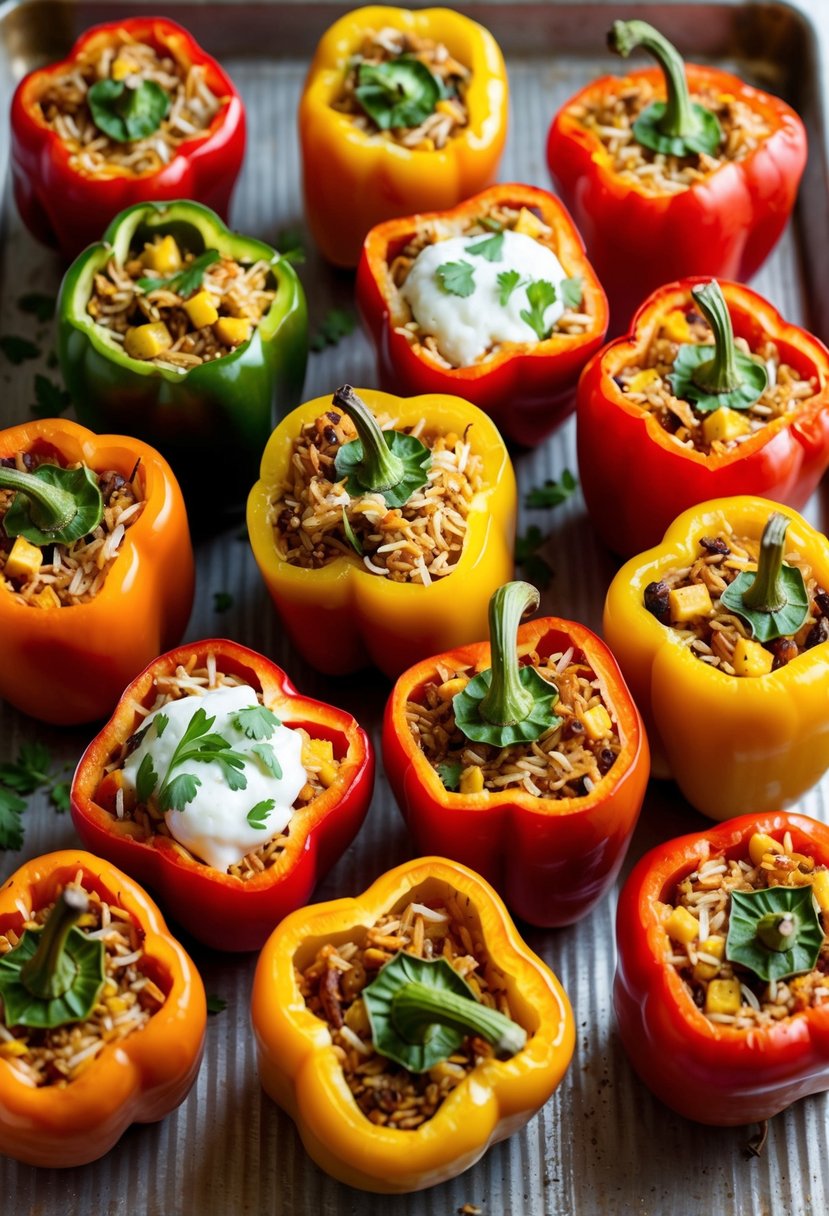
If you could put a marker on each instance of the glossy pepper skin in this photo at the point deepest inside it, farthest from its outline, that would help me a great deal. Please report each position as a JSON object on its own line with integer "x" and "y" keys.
{"x": 619, "y": 442}
{"x": 341, "y": 617}
{"x": 67, "y": 207}
{"x": 299, "y": 1070}
{"x": 729, "y": 742}
{"x": 219, "y": 909}
{"x": 723, "y": 226}
{"x": 194, "y": 418}
{"x": 138, "y": 1079}
{"x": 526, "y": 389}
{"x": 551, "y": 860}
{"x": 712, "y": 1073}
{"x": 69, "y": 665}
{"x": 355, "y": 179}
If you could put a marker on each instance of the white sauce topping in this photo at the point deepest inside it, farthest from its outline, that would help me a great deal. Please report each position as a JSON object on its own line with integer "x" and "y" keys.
{"x": 467, "y": 327}
{"x": 214, "y": 826}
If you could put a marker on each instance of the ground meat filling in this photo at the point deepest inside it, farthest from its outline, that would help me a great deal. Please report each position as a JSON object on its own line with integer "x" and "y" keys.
{"x": 71, "y": 573}
{"x": 698, "y": 950}
{"x": 646, "y": 384}
{"x": 65, "y": 107}
{"x": 450, "y": 115}
{"x": 418, "y": 542}
{"x": 127, "y": 1002}
{"x": 610, "y": 117}
{"x": 385, "y": 1092}
{"x": 565, "y": 762}
{"x": 711, "y": 635}
{"x": 318, "y": 760}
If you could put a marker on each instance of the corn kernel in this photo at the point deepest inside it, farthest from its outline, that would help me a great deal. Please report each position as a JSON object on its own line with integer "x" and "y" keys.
{"x": 760, "y": 844}
{"x": 450, "y": 688}
{"x": 820, "y": 889}
{"x": 24, "y": 560}
{"x": 47, "y": 598}
{"x": 147, "y": 341}
{"x": 232, "y": 331}
{"x": 12, "y": 1048}
{"x": 685, "y": 603}
{"x": 715, "y": 946}
{"x": 675, "y": 326}
{"x": 472, "y": 780}
{"x": 528, "y": 224}
{"x": 751, "y": 659}
{"x": 596, "y": 722}
{"x": 121, "y": 69}
{"x": 316, "y": 751}
{"x": 327, "y": 774}
{"x": 424, "y": 145}
{"x": 116, "y": 1005}
{"x": 682, "y": 926}
{"x": 724, "y": 424}
{"x": 164, "y": 257}
{"x": 110, "y": 989}
{"x": 356, "y": 1017}
{"x": 643, "y": 380}
{"x": 201, "y": 309}
{"x": 723, "y": 996}
{"x": 445, "y": 106}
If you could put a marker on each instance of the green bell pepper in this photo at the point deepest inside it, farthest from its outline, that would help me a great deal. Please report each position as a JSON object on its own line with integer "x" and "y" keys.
{"x": 211, "y": 421}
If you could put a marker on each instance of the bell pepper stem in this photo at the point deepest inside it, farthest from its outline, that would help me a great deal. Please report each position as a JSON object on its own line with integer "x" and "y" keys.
{"x": 51, "y": 509}
{"x": 50, "y": 972}
{"x": 679, "y": 118}
{"x": 778, "y": 930}
{"x": 766, "y": 593}
{"x": 415, "y": 1007}
{"x": 721, "y": 374}
{"x": 507, "y": 701}
{"x": 379, "y": 468}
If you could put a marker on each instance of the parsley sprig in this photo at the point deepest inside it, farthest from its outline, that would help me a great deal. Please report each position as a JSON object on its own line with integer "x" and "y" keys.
{"x": 196, "y": 744}
{"x": 184, "y": 282}
{"x": 32, "y": 771}
{"x": 456, "y": 278}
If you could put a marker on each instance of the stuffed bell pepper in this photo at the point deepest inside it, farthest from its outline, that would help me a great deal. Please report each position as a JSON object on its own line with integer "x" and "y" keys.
{"x": 103, "y": 1013}
{"x": 524, "y": 758}
{"x": 137, "y": 112}
{"x": 177, "y": 329}
{"x": 409, "y": 1029}
{"x": 402, "y": 112}
{"x": 382, "y": 525}
{"x": 711, "y": 393}
{"x": 722, "y": 632}
{"x": 675, "y": 170}
{"x": 96, "y": 567}
{"x": 494, "y": 301}
{"x": 722, "y": 979}
{"x": 223, "y": 789}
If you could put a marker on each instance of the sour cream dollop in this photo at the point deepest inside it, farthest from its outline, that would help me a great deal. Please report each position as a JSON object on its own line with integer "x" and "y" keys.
{"x": 214, "y": 826}
{"x": 466, "y": 327}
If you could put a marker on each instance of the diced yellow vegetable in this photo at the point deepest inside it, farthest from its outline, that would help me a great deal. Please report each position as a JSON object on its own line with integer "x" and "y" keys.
{"x": 424, "y": 145}
{"x": 356, "y": 1017}
{"x": 682, "y": 926}
{"x": 110, "y": 989}
{"x": 820, "y": 889}
{"x": 116, "y": 1005}
{"x": 528, "y": 224}
{"x": 472, "y": 780}
{"x": 596, "y": 722}
{"x": 760, "y": 844}
{"x": 164, "y": 257}
{"x": 47, "y": 598}
{"x": 318, "y": 754}
{"x": 13, "y": 1047}
{"x": 121, "y": 69}
{"x": 685, "y": 603}
{"x": 715, "y": 946}
{"x": 147, "y": 341}
{"x": 232, "y": 331}
{"x": 723, "y": 996}
{"x": 24, "y": 560}
{"x": 201, "y": 309}
{"x": 643, "y": 380}
{"x": 724, "y": 424}
{"x": 444, "y": 106}
{"x": 675, "y": 327}
{"x": 450, "y": 688}
{"x": 751, "y": 659}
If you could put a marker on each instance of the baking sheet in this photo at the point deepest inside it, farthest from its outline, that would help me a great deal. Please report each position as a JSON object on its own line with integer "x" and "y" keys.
{"x": 602, "y": 1144}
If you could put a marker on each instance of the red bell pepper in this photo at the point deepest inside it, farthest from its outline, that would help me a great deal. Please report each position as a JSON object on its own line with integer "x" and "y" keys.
{"x": 526, "y": 389}
{"x": 619, "y": 441}
{"x": 550, "y": 859}
{"x": 714, "y": 1073}
{"x": 221, "y": 910}
{"x": 725, "y": 224}
{"x": 66, "y": 206}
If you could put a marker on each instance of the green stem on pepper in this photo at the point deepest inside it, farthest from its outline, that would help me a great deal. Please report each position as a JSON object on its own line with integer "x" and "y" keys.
{"x": 50, "y": 972}
{"x": 52, "y": 504}
{"x": 774, "y": 601}
{"x": 713, "y": 377}
{"x": 389, "y": 463}
{"x": 775, "y": 932}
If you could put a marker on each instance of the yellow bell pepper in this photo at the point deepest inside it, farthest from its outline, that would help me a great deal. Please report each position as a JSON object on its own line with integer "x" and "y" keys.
{"x": 731, "y": 743}
{"x": 341, "y": 617}
{"x": 354, "y": 179}
{"x": 300, "y": 1070}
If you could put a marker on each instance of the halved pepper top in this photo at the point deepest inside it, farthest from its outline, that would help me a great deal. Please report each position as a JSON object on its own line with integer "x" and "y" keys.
{"x": 493, "y": 300}
{"x": 136, "y": 112}
{"x": 402, "y": 112}
{"x": 672, "y": 171}
{"x": 188, "y": 334}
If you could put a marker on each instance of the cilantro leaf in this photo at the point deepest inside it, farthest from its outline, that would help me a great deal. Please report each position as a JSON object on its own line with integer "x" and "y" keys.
{"x": 11, "y": 829}
{"x": 256, "y": 722}
{"x": 231, "y": 764}
{"x": 536, "y": 569}
{"x": 222, "y": 600}
{"x": 265, "y": 753}
{"x": 456, "y": 278}
{"x": 29, "y": 773}
{"x": 491, "y": 225}
{"x": 400, "y": 92}
{"x": 146, "y": 779}
{"x": 177, "y": 793}
{"x": 216, "y": 1004}
{"x": 17, "y": 350}
{"x": 507, "y": 282}
{"x": 571, "y": 291}
{"x": 184, "y": 282}
{"x": 38, "y": 305}
{"x": 258, "y": 814}
{"x": 50, "y": 399}
{"x": 59, "y": 796}
{"x": 540, "y": 295}
{"x": 336, "y": 324}
{"x": 491, "y": 247}
{"x": 552, "y": 493}
{"x": 160, "y": 721}
{"x": 450, "y": 774}
{"x": 124, "y": 113}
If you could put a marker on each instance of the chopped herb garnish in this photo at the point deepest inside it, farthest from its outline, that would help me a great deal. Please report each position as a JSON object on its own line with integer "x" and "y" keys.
{"x": 183, "y": 282}
{"x": 38, "y": 305}
{"x": 29, "y": 773}
{"x": 456, "y": 278}
{"x": 257, "y": 815}
{"x": 59, "y": 796}
{"x": 401, "y": 92}
{"x": 534, "y": 566}
{"x": 256, "y": 722}
{"x": 338, "y": 323}
{"x": 491, "y": 225}
{"x": 289, "y": 246}
{"x": 222, "y": 600}
{"x": 507, "y": 281}
{"x": 216, "y": 1004}
{"x": 12, "y": 807}
{"x": 350, "y": 535}
{"x": 126, "y": 114}
{"x": 265, "y": 753}
{"x": 450, "y": 774}
{"x": 552, "y": 493}
{"x": 571, "y": 291}
{"x": 491, "y": 247}
{"x": 540, "y": 295}
{"x": 199, "y": 745}
{"x": 146, "y": 779}
{"x": 17, "y": 349}
{"x": 50, "y": 399}
{"x": 160, "y": 721}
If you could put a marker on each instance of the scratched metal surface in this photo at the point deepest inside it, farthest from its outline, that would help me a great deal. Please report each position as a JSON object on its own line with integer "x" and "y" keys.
{"x": 602, "y": 1144}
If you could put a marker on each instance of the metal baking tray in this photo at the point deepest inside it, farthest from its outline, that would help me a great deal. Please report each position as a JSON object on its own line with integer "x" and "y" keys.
{"x": 602, "y": 1144}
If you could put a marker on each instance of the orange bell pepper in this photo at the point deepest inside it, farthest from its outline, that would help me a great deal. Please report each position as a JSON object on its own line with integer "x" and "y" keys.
{"x": 69, "y": 664}
{"x": 137, "y": 1079}
{"x": 300, "y": 1070}
{"x": 354, "y": 179}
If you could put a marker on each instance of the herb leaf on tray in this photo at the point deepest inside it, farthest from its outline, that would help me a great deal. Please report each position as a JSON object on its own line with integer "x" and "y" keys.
{"x": 552, "y": 493}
